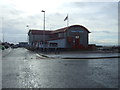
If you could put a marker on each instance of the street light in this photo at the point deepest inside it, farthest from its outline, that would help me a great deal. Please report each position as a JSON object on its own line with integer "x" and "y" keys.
{"x": 43, "y": 31}
{"x": 27, "y": 34}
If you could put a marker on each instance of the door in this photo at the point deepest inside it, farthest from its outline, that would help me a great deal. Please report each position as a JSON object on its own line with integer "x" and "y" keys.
{"x": 76, "y": 42}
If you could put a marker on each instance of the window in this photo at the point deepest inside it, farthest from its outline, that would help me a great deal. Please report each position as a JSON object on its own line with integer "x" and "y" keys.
{"x": 77, "y": 36}
{"x": 60, "y": 35}
{"x": 53, "y": 44}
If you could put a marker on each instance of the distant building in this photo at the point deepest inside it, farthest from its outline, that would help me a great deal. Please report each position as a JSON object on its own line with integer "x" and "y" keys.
{"x": 23, "y": 44}
{"x": 75, "y": 36}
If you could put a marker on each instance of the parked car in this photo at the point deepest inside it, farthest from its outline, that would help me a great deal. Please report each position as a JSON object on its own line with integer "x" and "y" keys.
{"x": 14, "y": 46}
{"x": 2, "y": 47}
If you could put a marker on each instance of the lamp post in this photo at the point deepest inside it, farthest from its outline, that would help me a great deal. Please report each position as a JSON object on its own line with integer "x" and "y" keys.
{"x": 43, "y": 31}
{"x": 27, "y": 34}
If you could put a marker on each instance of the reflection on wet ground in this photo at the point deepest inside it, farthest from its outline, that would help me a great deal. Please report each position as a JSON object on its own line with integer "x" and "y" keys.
{"x": 23, "y": 69}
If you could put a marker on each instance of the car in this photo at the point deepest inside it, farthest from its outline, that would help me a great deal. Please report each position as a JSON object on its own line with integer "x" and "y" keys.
{"x": 14, "y": 46}
{"x": 2, "y": 47}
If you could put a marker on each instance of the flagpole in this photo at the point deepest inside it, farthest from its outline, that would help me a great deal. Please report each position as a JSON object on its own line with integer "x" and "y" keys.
{"x": 43, "y": 31}
{"x": 67, "y": 20}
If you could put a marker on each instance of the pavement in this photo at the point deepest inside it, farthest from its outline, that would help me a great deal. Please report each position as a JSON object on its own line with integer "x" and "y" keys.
{"x": 22, "y": 68}
{"x": 0, "y": 69}
{"x": 81, "y": 55}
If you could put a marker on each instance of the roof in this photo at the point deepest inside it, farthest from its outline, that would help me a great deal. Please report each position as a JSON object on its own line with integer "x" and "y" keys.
{"x": 38, "y": 32}
{"x": 82, "y": 27}
{"x": 48, "y": 32}
{"x": 60, "y": 30}
{"x": 65, "y": 29}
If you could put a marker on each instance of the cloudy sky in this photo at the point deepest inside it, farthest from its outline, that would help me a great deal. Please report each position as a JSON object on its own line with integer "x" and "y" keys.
{"x": 100, "y": 17}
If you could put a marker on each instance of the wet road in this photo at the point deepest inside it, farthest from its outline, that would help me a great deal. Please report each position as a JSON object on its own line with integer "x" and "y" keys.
{"x": 0, "y": 69}
{"x": 24, "y": 69}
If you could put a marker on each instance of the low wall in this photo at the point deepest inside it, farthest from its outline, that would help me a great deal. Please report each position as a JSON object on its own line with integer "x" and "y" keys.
{"x": 6, "y": 51}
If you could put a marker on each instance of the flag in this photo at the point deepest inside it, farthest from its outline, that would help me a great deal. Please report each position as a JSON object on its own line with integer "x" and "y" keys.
{"x": 66, "y": 18}
{"x": 42, "y": 11}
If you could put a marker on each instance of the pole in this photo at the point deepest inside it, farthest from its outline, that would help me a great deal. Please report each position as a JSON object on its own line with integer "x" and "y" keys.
{"x": 27, "y": 34}
{"x": 43, "y": 31}
{"x": 2, "y": 31}
{"x": 67, "y": 20}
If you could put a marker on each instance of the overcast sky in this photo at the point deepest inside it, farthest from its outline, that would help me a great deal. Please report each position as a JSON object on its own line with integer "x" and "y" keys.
{"x": 101, "y": 18}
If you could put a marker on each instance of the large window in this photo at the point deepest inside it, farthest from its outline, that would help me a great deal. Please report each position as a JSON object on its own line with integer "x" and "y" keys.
{"x": 77, "y": 36}
{"x": 53, "y": 44}
{"x": 60, "y": 35}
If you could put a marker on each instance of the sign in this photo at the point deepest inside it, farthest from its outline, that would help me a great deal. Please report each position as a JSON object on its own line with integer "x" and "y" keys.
{"x": 76, "y": 31}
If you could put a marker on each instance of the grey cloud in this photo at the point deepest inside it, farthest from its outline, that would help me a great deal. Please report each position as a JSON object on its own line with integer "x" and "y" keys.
{"x": 97, "y": 17}
{"x": 10, "y": 12}
{"x": 106, "y": 32}
{"x": 94, "y": 8}
{"x": 93, "y": 11}
{"x": 84, "y": 4}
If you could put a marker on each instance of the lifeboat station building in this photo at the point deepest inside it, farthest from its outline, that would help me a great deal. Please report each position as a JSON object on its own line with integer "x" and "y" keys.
{"x": 71, "y": 37}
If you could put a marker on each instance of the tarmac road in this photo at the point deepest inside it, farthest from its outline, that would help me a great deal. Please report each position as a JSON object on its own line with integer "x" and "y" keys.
{"x": 25, "y": 69}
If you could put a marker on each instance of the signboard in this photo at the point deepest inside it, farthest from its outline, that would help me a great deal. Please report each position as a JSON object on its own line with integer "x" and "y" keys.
{"x": 76, "y": 31}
